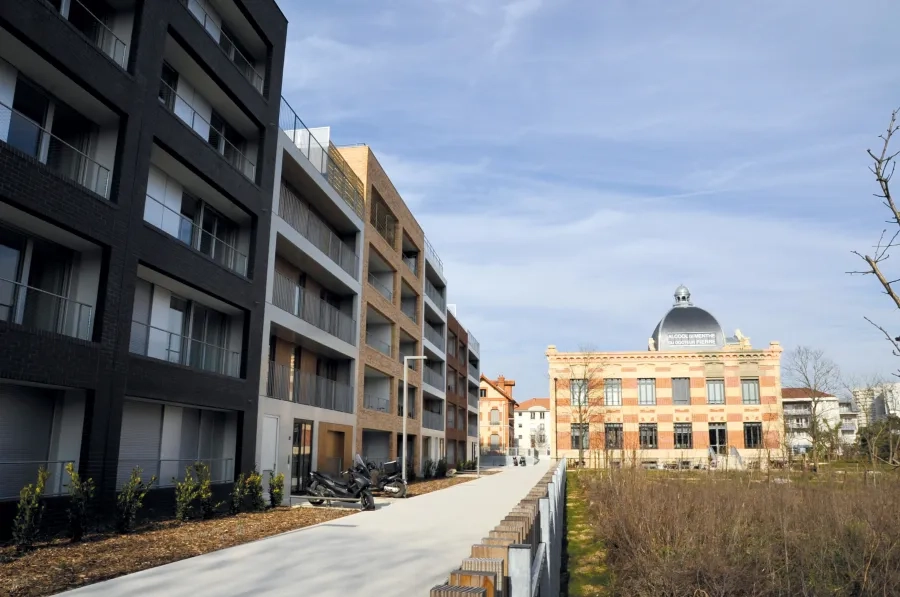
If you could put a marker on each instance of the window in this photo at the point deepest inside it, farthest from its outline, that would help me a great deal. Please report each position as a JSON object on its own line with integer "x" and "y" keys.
{"x": 533, "y": 416}
{"x": 684, "y": 437}
{"x": 542, "y": 414}
{"x": 520, "y": 425}
{"x": 715, "y": 391}
{"x": 612, "y": 392}
{"x": 482, "y": 393}
{"x": 613, "y": 436}
{"x": 647, "y": 432}
{"x": 647, "y": 391}
{"x": 495, "y": 416}
{"x": 168, "y": 86}
{"x": 681, "y": 390}
{"x": 750, "y": 391}
{"x": 495, "y": 441}
{"x": 753, "y": 435}
{"x": 578, "y": 391}
{"x": 581, "y": 438}
{"x": 718, "y": 438}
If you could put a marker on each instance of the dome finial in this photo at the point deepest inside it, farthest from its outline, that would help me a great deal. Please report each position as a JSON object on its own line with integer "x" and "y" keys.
{"x": 682, "y": 296}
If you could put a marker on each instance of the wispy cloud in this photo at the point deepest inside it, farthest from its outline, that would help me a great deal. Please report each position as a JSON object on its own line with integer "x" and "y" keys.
{"x": 514, "y": 13}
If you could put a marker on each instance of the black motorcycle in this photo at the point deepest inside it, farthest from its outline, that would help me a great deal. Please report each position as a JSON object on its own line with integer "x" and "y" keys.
{"x": 357, "y": 486}
{"x": 389, "y": 478}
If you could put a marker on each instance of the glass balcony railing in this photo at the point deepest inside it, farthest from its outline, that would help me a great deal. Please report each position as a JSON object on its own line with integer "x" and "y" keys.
{"x": 408, "y": 306}
{"x": 164, "y": 345}
{"x": 474, "y": 346}
{"x": 412, "y": 263}
{"x": 435, "y": 295}
{"x": 38, "y": 309}
{"x": 434, "y": 336}
{"x": 343, "y": 181}
{"x": 298, "y": 215}
{"x": 96, "y": 31}
{"x": 381, "y": 287}
{"x": 411, "y": 407}
{"x": 16, "y": 474}
{"x": 201, "y": 126}
{"x": 293, "y": 298}
{"x": 285, "y": 383}
{"x": 375, "y": 402}
{"x": 432, "y": 256}
{"x": 241, "y": 62}
{"x": 168, "y": 471}
{"x": 433, "y": 420}
{"x": 57, "y": 155}
{"x": 433, "y": 378}
{"x": 184, "y": 229}
{"x": 379, "y": 345}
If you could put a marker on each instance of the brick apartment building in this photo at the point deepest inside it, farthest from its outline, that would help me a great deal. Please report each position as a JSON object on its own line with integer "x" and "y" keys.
{"x": 457, "y": 390}
{"x": 694, "y": 398}
{"x": 136, "y": 151}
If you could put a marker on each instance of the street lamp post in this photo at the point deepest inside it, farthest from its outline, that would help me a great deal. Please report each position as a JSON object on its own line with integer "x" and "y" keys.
{"x": 406, "y": 360}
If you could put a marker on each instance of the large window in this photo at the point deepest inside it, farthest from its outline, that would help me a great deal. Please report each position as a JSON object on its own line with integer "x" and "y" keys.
{"x": 495, "y": 416}
{"x": 578, "y": 392}
{"x": 718, "y": 438}
{"x": 750, "y": 391}
{"x": 581, "y": 437}
{"x": 715, "y": 391}
{"x": 681, "y": 390}
{"x": 612, "y": 392}
{"x": 684, "y": 436}
{"x": 613, "y": 436}
{"x": 647, "y": 391}
{"x": 753, "y": 435}
{"x": 648, "y": 436}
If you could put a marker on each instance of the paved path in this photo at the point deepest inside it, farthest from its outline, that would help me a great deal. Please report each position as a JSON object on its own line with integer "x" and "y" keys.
{"x": 403, "y": 549}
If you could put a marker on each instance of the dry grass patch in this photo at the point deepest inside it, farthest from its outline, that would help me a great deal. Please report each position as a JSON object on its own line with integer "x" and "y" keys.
{"x": 58, "y": 565}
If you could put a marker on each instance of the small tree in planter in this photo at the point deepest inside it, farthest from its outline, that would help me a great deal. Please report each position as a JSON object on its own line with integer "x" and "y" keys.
{"x": 185, "y": 493}
{"x": 27, "y": 523}
{"x": 238, "y": 494}
{"x": 80, "y": 495}
{"x": 208, "y": 507}
{"x": 276, "y": 488}
{"x": 255, "y": 492}
{"x": 131, "y": 499}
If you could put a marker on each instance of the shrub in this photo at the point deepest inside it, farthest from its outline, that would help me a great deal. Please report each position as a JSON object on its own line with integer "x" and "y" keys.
{"x": 255, "y": 492}
{"x": 440, "y": 470}
{"x": 185, "y": 493}
{"x": 208, "y": 507}
{"x": 238, "y": 494}
{"x": 29, "y": 512}
{"x": 131, "y": 499}
{"x": 428, "y": 469}
{"x": 80, "y": 495}
{"x": 276, "y": 488}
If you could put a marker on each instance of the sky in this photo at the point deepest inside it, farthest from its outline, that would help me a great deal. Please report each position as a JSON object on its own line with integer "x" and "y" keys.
{"x": 574, "y": 161}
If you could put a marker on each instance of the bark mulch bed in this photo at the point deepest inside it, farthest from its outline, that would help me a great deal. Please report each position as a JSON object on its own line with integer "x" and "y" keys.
{"x": 423, "y": 486}
{"x": 59, "y": 565}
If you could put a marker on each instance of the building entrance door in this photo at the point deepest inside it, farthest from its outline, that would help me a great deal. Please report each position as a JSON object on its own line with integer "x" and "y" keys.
{"x": 301, "y": 455}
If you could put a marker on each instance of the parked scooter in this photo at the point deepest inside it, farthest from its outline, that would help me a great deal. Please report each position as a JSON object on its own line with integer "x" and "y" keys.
{"x": 357, "y": 486}
{"x": 521, "y": 461}
{"x": 389, "y": 479}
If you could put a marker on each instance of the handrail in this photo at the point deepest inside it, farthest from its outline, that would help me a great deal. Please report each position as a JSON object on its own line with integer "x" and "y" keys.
{"x": 433, "y": 378}
{"x": 345, "y": 184}
{"x": 474, "y": 346}
{"x": 168, "y": 471}
{"x": 434, "y": 336}
{"x": 293, "y": 385}
{"x": 229, "y": 151}
{"x": 248, "y": 70}
{"x": 379, "y": 403}
{"x": 157, "y": 343}
{"x": 229, "y": 258}
{"x": 412, "y": 263}
{"x": 69, "y": 317}
{"x": 14, "y": 474}
{"x": 432, "y": 420}
{"x": 293, "y": 298}
{"x": 431, "y": 253}
{"x": 409, "y": 309}
{"x": 101, "y": 35}
{"x": 82, "y": 170}
{"x": 384, "y": 290}
{"x": 435, "y": 295}
{"x": 379, "y": 345}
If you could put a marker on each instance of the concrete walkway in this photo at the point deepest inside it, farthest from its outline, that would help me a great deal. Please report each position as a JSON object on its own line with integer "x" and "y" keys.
{"x": 402, "y": 549}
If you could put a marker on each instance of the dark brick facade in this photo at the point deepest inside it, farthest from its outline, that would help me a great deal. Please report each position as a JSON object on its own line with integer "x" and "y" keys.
{"x": 457, "y": 365}
{"x": 103, "y": 367}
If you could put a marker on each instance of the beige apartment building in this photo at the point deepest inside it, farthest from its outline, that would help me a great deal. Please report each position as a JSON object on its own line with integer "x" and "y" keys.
{"x": 693, "y": 397}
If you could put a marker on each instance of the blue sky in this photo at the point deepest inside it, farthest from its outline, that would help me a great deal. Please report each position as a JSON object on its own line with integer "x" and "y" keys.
{"x": 575, "y": 161}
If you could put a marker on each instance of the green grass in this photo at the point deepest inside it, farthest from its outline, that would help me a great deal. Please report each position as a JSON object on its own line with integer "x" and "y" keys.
{"x": 588, "y": 575}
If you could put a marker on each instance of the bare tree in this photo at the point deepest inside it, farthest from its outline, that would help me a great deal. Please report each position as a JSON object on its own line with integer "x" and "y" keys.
{"x": 585, "y": 396}
{"x": 883, "y": 166}
{"x": 811, "y": 370}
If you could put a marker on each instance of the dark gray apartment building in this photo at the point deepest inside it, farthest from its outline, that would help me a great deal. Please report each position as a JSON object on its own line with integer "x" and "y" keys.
{"x": 137, "y": 155}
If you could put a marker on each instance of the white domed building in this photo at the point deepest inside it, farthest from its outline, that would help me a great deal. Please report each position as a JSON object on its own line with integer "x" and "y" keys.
{"x": 693, "y": 397}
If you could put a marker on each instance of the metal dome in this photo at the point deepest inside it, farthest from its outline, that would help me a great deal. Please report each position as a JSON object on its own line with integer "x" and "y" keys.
{"x": 686, "y": 327}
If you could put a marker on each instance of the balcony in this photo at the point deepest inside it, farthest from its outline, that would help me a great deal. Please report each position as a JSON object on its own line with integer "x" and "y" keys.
{"x": 38, "y": 309}
{"x": 434, "y": 336}
{"x": 339, "y": 177}
{"x": 376, "y": 402}
{"x": 408, "y": 306}
{"x": 299, "y": 217}
{"x": 474, "y": 346}
{"x": 383, "y": 221}
{"x": 95, "y": 31}
{"x": 472, "y": 429}
{"x": 848, "y": 428}
{"x": 411, "y": 405}
{"x": 293, "y": 298}
{"x": 381, "y": 287}
{"x": 433, "y": 420}
{"x": 432, "y": 256}
{"x": 473, "y": 400}
{"x": 16, "y": 474}
{"x": 299, "y": 387}
{"x": 433, "y": 378}
{"x": 412, "y": 263}
{"x": 26, "y": 135}
{"x": 435, "y": 295}
{"x": 185, "y": 230}
{"x": 203, "y": 129}
{"x": 164, "y": 345}
{"x": 213, "y": 29}
{"x": 379, "y": 345}
{"x": 797, "y": 411}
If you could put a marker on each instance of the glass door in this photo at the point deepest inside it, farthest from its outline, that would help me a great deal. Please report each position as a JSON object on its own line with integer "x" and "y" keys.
{"x": 718, "y": 439}
{"x": 301, "y": 455}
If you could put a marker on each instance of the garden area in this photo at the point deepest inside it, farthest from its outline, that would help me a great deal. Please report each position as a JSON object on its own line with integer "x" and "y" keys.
{"x": 650, "y": 533}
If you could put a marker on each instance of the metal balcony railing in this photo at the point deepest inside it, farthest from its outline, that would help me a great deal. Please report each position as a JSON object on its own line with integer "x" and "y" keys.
{"x": 343, "y": 181}
{"x": 379, "y": 345}
{"x": 434, "y": 336}
{"x": 473, "y": 400}
{"x": 383, "y": 220}
{"x": 293, "y": 298}
{"x": 244, "y": 66}
{"x": 169, "y": 471}
{"x": 474, "y": 346}
{"x": 798, "y": 411}
{"x": 435, "y": 295}
{"x": 95, "y": 31}
{"x": 410, "y": 409}
{"x": 381, "y": 287}
{"x": 164, "y": 345}
{"x": 297, "y": 214}
{"x": 203, "y": 129}
{"x": 408, "y": 306}
{"x": 57, "y": 155}
{"x": 432, "y": 255}
{"x": 184, "y": 229}
{"x": 433, "y": 420}
{"x": 14, "y": 475}
{"x": 412, "y": 263}
{"x": 374, "y": 402}
{"x": 38, "y": 309}
{"x": 433, "y": 378}
{"x": 848, "y": 427}
{"x": 292, "y": 385}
